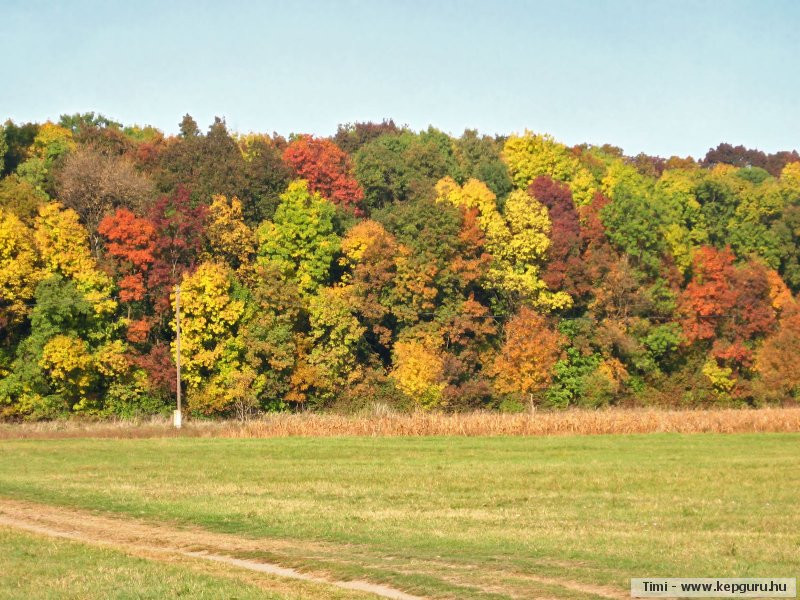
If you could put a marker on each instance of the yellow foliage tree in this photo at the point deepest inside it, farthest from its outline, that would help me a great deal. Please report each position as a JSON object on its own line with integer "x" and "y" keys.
{"x": 721, "y": 378}
{"x": 19, "y": 272}
{"x": 68, "y": 363}
{"x": 475, "y": 194}
{"x": 530, "y": 155}
{"x": 779, "y": 293}
{"x": 52, "y": 141}
{"x": 418, "y": 371}
{"x": 305, "y": 378}
{"x": 110, "y": 360}
{"x": 80, "y": 374}
{"x": 209, "y": 317}
{"x": 790, "y": 175}
{"x": 529, "y": 224}
{"x": 518, "y": 240}
{"x": 247, "y": 144}
{"x": 228, "y": 235}
{"x": 360, "y": 238}
{"x": 63, "y": 246}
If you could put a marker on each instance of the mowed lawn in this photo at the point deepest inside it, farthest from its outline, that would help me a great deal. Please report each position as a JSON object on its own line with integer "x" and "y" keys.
{"x": 453, "y": 517}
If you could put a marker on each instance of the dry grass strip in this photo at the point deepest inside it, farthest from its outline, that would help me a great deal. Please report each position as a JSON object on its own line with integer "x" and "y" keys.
{"x": 573, "y": 422}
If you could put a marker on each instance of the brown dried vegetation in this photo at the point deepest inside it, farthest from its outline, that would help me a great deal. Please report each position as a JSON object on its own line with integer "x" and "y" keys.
{"x": 575, "y": 422}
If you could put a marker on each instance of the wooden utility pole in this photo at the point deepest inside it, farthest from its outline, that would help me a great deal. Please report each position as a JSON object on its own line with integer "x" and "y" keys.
{"x": 178, "y": 416}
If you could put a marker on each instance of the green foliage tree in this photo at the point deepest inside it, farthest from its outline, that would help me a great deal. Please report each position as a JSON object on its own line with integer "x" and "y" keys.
{"x": 266, "y": 174}
{"x": 18, "y": 141}
{"x": 206, "y": 165}
{"x": 71, "y": 361}
{"x": 337, "y": 340}
{"x": 480, "y": 158}
{"x": 300, "y": 239}
{"x": 406, "y": 166}
{"x": 3, "y": 148}
{"x": 632, "y": 221}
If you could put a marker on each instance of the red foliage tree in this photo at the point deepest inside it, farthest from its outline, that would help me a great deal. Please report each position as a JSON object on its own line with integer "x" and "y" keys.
{"x": 753, "y": 314}
{"x": 725, "y": 302}
{"x": 147, "y": 154}
{"x": 327, "y": 169}
{"x": 160, "y": 369}
{"x": 593, "y": 231}
{"x": 564, "y": 252}
{"x": 179, "y": 239}
{"x": 138, "y": 330}
{"x": 468, "y": 333}
{"x": 739, "y": 156}
{"x": 586, "y": 260}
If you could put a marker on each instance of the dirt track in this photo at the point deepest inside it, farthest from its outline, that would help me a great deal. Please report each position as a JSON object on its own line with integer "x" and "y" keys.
{"x": 133, "y": 535}
{"x": 162, "y": 541}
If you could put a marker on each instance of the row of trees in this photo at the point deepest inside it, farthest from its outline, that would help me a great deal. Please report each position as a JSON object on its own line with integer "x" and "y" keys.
{"x": 382, "y": 264}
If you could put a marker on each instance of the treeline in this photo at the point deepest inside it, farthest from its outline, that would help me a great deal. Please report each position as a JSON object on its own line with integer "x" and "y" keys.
{"x": 386, "y": 265}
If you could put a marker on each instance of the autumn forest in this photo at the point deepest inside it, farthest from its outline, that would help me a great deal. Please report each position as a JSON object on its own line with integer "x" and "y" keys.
{"x": 382, "y": 265}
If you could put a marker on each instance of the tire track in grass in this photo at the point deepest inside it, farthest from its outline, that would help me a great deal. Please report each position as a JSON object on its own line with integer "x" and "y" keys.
{"x": 163, "y": 539}
{"x": 28, "y": 520}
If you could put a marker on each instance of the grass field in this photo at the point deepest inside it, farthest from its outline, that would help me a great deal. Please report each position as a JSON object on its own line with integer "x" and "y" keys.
{"x": 469, "y": 517}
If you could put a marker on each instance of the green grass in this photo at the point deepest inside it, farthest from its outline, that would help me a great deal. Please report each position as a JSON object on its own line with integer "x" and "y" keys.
{"x": 466, "y": 517}
{"x": 37, "y": 568}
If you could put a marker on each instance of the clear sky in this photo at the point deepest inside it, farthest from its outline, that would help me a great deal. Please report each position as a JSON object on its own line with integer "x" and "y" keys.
{"x": 663, "y": 77}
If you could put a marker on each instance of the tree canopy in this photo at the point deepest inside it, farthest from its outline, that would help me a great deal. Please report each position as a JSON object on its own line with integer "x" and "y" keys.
{"x": 430, "y": 271}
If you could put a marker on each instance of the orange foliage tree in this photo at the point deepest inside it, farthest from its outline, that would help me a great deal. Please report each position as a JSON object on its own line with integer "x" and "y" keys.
{"x": 131, "y": 241}
{"x": 525, "y": 363}
{"x": 774, "y": 360}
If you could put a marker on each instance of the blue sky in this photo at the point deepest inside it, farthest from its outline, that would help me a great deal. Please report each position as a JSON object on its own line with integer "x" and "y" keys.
{"x": 665, "y": 78}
